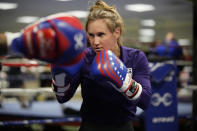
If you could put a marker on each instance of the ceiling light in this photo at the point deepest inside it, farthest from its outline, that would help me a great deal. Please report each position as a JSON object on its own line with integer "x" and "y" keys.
{"x": 146, "y": 39}
{"x": 147, "y": 32}
{"x": 8, "y": 6}
{"x": 148, "y": 22}
{"x": 183, "y": 42}
{"x": 26, "y": 19}
{"x": 146, "y": 35}
{"x": 139, "y": 7}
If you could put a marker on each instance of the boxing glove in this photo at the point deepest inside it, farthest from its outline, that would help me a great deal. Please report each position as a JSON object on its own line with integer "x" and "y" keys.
{"x": 57, "y": 39}
{"x": 60, "y": 80}
{"x": 110, "y": 68}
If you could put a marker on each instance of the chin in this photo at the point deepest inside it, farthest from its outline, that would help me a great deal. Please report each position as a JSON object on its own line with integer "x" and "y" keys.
{"x": 97, "y": 51}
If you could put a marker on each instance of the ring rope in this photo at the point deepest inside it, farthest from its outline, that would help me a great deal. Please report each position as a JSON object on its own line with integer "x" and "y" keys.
{"x": 39, "y": 90}
{"x": 45, "y": 121}
{"x": 23, "y": 64}
{"x": 28, "y": 90}
{"x": 22, "y": 91}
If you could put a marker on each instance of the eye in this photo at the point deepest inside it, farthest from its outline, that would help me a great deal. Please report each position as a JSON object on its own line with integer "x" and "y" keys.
{"x": 100, "y": 34}
{"x": 91, "y": 35}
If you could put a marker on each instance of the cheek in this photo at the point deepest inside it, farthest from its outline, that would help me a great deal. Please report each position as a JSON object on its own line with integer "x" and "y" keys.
{"x": 109, "y": 43}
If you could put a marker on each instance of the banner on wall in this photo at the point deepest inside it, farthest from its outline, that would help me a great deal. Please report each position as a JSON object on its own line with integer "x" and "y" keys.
{"x": 162, "y": 113}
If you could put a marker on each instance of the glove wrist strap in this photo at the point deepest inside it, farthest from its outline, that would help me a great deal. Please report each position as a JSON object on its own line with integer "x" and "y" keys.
{"x": 134, "y": 91}
{"x": 60, "y": 90}
{"x": 131, "y": 88}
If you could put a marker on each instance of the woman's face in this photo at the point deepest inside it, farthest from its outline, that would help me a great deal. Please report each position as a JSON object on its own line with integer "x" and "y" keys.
{"x": 100, "y": 37}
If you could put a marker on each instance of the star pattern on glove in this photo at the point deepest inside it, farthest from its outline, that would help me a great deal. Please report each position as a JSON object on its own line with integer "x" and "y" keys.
{"x": 115, "y": 66}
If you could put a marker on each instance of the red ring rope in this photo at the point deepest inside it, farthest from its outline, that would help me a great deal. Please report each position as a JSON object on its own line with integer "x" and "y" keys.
{"x": 23, "y": 64}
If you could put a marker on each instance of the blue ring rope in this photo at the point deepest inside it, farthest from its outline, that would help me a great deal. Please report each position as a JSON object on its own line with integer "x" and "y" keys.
{"x": 44, "y": 121}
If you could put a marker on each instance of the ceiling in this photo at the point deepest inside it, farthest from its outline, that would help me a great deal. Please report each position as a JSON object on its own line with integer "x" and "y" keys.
{"x": 169, "y": 15}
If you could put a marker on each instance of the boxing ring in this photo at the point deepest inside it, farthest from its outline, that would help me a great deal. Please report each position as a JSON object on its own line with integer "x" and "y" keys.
{"x": 37, "y": 111}
{"x": 49, "y": 111}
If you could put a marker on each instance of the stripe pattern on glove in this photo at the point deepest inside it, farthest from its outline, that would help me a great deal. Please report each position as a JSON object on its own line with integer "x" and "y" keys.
{"x": 107, "y": 65}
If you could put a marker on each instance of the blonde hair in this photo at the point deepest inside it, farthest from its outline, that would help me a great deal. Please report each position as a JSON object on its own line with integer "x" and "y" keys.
{"x": 101, "y": 10}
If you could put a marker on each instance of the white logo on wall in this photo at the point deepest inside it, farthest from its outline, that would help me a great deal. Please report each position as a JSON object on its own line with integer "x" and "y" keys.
{"x": 166, "y": 99}
{"x": 168, "y": 119}
{"x": 169, "y": 76}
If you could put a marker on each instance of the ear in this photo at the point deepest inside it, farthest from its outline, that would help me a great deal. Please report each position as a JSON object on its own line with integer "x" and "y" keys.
{"x": 117, "y": 32}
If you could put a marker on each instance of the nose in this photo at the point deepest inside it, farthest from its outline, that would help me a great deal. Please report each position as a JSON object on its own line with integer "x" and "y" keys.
{"x": 96, "y": 41}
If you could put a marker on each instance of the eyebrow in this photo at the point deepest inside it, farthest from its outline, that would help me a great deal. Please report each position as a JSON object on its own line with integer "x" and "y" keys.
{"x": 98, "y": 33}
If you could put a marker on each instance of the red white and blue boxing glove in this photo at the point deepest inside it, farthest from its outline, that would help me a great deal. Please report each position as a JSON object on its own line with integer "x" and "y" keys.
{"x": 56, "y": 39}
{"x": 60, "y": 80}
{"x": 109, "y": 67}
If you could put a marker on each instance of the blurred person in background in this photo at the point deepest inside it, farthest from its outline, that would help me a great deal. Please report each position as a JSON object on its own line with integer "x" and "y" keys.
{"x": 169, "y": 48}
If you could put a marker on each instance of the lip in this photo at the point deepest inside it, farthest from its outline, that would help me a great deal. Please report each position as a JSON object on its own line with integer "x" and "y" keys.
{"x": 97, "y": 50}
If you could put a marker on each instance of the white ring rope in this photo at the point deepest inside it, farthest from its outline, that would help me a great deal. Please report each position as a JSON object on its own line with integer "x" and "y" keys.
{"x": 21, "y": 91}
{"x": 27, "y": 91}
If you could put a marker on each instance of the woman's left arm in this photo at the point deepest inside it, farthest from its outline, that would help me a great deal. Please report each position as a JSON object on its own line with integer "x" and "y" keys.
{"x": 142, "y": 76}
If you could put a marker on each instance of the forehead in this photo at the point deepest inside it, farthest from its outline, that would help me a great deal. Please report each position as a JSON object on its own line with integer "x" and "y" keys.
{"x": 97, "y": 26}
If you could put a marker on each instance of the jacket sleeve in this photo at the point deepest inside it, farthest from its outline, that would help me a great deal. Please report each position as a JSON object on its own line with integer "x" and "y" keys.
{"x": 74, "y": 83}
{"x": 142, "y": 76}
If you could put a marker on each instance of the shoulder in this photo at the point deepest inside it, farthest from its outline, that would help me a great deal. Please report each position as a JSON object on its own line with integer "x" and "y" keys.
{"x": 132, "y": 54}
{"x": 137, "y": 60}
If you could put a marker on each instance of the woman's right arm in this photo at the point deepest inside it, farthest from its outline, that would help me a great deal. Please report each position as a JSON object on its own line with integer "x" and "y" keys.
{"x": 63, "y": 84}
